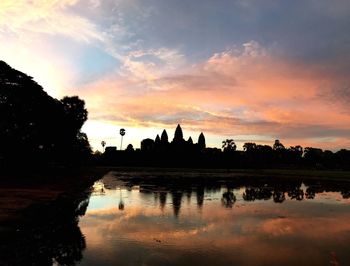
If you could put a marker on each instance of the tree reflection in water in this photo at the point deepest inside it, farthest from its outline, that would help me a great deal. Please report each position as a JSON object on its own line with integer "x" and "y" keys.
{"x": 278, "y": 196}
{"x": 51, "y": 234}
{"x": 228, "y": 199}
{"x": 254, "y": 189}
{"x": 48, "y": 235}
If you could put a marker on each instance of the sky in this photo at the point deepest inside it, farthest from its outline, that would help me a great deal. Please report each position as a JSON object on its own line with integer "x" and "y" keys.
{"x": 248, "y": 70}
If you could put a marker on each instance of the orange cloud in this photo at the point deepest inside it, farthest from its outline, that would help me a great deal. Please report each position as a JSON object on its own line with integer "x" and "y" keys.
{"x": 244, "y": 234}
{"x": 236, "y": 92}
{"x": 40, "y": 16}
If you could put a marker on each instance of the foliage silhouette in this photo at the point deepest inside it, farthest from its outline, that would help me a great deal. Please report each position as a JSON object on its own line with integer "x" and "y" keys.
{"x": 36, "y": 128}
{"x": 229, "y": 145}
{"x": 181, "y": 153}
{"x": 278, "y": 145}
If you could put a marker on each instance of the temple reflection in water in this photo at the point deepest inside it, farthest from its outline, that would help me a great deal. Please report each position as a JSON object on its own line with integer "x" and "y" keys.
{"x": 183, "y": 221}
{"x": 154, "y": 220}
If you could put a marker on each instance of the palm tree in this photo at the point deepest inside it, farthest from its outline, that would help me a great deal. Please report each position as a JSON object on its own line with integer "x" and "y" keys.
{"x": 122, "y": 133}
{"x": 103, "y": 143}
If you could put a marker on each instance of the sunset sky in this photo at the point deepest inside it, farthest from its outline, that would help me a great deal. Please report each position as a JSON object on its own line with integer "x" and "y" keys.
{"x": 250, "y": 70}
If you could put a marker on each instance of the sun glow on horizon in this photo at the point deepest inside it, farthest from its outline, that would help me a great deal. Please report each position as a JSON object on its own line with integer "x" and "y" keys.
{"x": 138, "y": 69}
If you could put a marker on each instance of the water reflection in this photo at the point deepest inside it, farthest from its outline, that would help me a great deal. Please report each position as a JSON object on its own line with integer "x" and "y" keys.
{"x": 188, "y": 221}
{"x": 228, "y": 199}
{"x": 250, "y": 189}
{"x": 223, "y": 222}
{"x": 48, "y": 235}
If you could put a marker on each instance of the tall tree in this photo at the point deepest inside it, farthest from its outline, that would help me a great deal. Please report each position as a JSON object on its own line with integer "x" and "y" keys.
{"x": 75, "y": 112}
{"x": 32, "y": 123}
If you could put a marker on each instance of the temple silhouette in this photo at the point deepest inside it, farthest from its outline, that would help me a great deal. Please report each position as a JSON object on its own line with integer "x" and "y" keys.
{"x": 37, "y": 130}
{"x": 178, "y": 144}
{"x": 162, "y": 152}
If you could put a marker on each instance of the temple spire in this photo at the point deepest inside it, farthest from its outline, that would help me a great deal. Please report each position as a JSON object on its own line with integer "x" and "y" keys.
{"x": 201, "y": 141}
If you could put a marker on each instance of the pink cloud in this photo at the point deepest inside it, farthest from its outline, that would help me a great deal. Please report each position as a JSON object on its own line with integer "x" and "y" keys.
{"x": 241, "y": 91}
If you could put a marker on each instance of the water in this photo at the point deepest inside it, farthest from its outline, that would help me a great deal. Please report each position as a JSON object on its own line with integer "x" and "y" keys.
{"x": 132, "y": 221}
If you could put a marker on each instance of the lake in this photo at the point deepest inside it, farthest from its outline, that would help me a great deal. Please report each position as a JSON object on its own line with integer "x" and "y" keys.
{"x": 133, "y": 220}
{"x": 187, "y": 218}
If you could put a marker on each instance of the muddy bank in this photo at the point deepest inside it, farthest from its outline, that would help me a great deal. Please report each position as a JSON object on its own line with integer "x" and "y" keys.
{"x": 21, "y": 191}
{"x": 40, "y": 214}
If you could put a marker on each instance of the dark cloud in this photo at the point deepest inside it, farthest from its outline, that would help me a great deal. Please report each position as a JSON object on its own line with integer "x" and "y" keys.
{"x": 312, "y": 31}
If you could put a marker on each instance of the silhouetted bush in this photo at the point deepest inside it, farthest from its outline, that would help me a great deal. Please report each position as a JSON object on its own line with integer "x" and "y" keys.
{"x": 36, "y": 128}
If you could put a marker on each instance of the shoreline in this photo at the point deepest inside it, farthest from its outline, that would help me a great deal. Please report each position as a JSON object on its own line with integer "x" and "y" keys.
{"x": 21, "y": 193}
{"x": 334, "y": 175}
{"x": 40, "y": 189}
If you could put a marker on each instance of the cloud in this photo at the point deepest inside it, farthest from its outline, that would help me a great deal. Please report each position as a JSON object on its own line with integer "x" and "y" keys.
{"x": 243, "y": 235}
{"x": 45, "y": 17}
{"x": 147, "y": 66}
{"x": 47, "y": 40}
{"x": 241, "y": 91}
{"x": 238, "y": 68}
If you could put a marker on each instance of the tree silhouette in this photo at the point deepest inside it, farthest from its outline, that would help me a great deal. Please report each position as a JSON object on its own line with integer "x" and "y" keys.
{"x": 103, "y": 144}
{"x": 122, "y": 133}
{"x": 130, "y": 148}
{"x": 33, "y": 125}
{"x": 249, "y": 146}
{"x": 229, "y": 145}
{"x": 75, "y": 112}
{"x": 298, "y": 150}
{"x": 278, "y": 145}
{"x": 313, "y": 156}
{"x": 159, "y": 152}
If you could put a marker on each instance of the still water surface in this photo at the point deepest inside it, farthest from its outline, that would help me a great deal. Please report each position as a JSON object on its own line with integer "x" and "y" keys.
{"x": 130, "y": 222}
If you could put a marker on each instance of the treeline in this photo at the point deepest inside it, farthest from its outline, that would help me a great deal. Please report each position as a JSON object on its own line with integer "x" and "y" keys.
{"x": 36, "y": 129}
{"x": 179, "y": 152}
{"x": 294, "y": 156}
{"x": 253, "y": 156}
